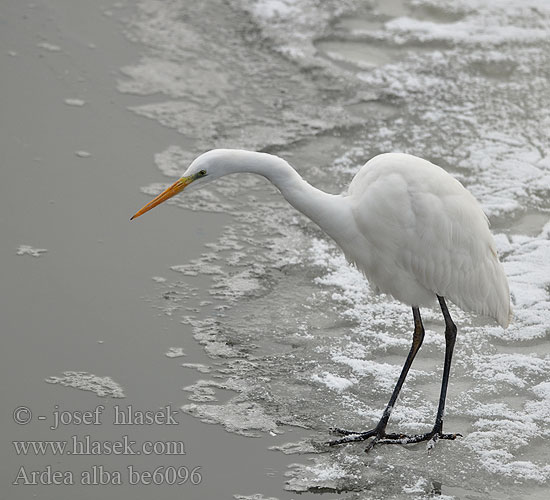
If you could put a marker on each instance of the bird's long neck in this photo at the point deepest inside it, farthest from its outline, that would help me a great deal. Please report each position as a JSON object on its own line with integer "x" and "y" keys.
{"x": 328, "y": 211}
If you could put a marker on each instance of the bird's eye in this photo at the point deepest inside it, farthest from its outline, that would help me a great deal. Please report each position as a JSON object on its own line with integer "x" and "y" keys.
{"x": 202, "y": 173}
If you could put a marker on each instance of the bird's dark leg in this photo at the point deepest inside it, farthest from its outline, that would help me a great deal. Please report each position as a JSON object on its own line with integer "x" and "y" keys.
{"x": 379, "y": 432}
{"x": 437, "y": 432}
{"x": 450, "y": 337}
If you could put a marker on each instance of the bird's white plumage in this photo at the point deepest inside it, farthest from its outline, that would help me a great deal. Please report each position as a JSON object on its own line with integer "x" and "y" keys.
{"x": 424, "y": 234}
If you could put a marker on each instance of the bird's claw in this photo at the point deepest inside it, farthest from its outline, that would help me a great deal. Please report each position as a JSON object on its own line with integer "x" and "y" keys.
{"x": 430, "y": 445}
{"x": 373, "y": 443}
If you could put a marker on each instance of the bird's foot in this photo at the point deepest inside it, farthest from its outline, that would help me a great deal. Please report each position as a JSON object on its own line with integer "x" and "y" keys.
{"x": 431, "y": 437}
{"x": 353, "y": 436}
{"x": 380, "y": 437}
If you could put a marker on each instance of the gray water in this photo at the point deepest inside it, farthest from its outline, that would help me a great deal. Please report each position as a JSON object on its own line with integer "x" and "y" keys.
{"x": 282, "y": 338}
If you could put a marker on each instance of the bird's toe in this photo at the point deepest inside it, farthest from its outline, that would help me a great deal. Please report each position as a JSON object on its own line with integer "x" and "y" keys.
{"x": 350, "y": 436}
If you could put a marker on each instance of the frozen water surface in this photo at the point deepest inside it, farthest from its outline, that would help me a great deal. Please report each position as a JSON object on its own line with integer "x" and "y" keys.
{"x": 49, "y": 46}
{"x": 175, "y": 352}
{"x": 75, "y": 102}
{"x": 294, "y": 333}
{"x": 102, "y": 386}
{"x": 28, "y": 250}
{"x": 258, "y": 496}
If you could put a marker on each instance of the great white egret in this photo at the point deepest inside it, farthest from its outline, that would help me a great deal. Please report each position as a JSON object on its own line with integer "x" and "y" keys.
{"x": 413, "y": 230}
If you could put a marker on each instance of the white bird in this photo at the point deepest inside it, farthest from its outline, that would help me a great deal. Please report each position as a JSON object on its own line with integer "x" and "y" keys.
{"x": 413, "y": 230}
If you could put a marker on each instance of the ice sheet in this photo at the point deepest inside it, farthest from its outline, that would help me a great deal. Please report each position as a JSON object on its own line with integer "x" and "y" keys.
{"x": 285, "y": 319}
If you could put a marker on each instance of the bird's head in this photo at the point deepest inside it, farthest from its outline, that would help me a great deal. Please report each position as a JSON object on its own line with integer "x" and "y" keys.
{"x": 202, "y": 170}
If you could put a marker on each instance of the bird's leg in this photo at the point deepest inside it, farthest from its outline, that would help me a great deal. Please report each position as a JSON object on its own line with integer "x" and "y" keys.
{"x": 379, "y": 432}
{"x": 450, "y": 338}
{"x": 437, "y": 432}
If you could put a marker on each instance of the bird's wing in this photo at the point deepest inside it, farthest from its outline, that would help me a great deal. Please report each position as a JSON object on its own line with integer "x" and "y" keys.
{"x": 426, "y": 228}
{"x": 453, "y": 254}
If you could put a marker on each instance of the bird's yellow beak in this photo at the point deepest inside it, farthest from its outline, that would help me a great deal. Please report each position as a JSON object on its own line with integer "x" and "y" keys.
{"x": 173, "y": 190}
